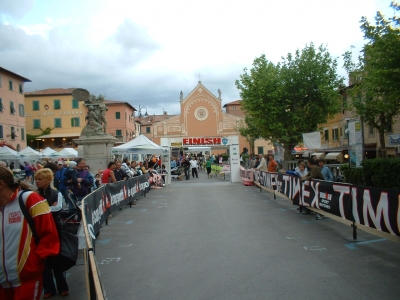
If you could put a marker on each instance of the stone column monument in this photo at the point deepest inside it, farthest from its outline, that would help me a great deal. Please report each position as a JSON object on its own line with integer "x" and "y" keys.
{"x": 94, "y": 144}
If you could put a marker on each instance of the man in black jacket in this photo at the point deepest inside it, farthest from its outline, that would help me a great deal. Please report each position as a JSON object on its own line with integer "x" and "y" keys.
{"x": 119, "y": 173}
{"x": 186, "y": 165}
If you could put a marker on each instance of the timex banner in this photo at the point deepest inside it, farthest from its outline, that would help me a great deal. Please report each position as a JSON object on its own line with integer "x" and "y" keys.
{"x": 372, "y": 207}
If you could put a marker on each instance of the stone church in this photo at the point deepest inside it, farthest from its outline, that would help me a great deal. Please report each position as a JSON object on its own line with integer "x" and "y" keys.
{"x": 201, "y": 116}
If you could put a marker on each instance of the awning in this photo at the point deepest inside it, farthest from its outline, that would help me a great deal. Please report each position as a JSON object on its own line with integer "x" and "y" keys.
{"x": 334, "y": 156}
{"x": 59, "y": 135}
{"x": 318, "y": 154}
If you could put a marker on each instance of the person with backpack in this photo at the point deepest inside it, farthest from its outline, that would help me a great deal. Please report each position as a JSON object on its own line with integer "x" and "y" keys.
{"x": 24, "y": 269}
{"x": 43, "y": 178}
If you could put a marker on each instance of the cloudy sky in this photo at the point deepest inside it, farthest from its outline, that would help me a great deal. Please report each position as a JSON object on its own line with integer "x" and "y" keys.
{"x": 146, "y": 52}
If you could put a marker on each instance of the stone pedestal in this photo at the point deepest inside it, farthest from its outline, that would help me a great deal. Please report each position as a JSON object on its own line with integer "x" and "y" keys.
{"x": 96, "y": 150}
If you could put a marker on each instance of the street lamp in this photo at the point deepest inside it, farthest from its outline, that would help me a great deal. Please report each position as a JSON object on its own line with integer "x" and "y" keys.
{"x": 347, "y": 131}
{"x": 139, "y": 110}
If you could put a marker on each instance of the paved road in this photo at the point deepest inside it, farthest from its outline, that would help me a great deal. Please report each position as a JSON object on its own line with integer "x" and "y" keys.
{"x": 210, "y": 239}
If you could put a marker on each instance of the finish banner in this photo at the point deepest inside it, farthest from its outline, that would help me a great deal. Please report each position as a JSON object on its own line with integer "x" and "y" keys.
{"x": 109, "y": 198}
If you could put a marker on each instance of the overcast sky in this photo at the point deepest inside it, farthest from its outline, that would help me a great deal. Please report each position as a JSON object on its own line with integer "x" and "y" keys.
{"x": 146, "y": 52}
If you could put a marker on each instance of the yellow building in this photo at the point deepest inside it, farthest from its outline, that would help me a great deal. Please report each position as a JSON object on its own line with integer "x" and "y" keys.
{"x": 333, "y": 133}
{"x": 56, "y": 111}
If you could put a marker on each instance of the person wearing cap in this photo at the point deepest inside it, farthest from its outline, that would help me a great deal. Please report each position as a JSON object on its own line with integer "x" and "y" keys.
{"x": 59, "y": 180}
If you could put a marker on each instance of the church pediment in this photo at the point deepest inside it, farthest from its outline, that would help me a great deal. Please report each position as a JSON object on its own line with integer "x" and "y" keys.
{"x": 200, "y": 90}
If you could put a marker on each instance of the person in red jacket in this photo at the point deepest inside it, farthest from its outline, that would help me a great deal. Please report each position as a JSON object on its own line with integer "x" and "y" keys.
{"x": 22, "y": 260}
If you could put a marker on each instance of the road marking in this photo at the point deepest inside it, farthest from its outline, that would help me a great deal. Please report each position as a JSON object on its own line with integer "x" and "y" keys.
{"x": 122, "y": 222}
{"x": 314, "y": 248}
{"x": 109, "y": 260}
{"x": 125, "y": 245}
{"x": 143, "y": 210}
{"x": 293, "y": 237}
{"x": 103, "y": 242}
{"x": 354, "y": 245}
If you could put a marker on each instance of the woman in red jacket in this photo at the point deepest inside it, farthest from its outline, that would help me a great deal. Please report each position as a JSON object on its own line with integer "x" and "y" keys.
{"x": 22, "y": 260}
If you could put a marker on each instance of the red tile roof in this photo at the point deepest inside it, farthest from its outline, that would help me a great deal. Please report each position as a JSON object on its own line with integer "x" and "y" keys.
{"x": 151, "y": 119}
{"x": 237, "y": 102}
{"x": 49, "y": 92}
{"x": 113, "y": 102}
{"x": 15, "y": 74}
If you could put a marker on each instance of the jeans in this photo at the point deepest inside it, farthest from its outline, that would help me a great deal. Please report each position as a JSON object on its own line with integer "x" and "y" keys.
{"x": 194, "y": 172}
{"x": 187, "y": 173}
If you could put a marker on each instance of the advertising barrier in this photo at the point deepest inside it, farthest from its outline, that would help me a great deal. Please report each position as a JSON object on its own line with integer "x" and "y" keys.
{"x": 371, "y": 207}
{"x": 97, "y": 207}
{"x": 109, "y": 198}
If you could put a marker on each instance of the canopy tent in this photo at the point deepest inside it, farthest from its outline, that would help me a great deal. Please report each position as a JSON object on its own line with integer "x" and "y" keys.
{"x": 334, "y": 156}
{"x": 68, "y": 153}
{"x": 7, "y": 153}
{"x": 33, "y": 154}
{"x": 319, "y": 155}
{"x": 46, "y": 152}
{"x": 140, "y": 145}
{"x": 55, "y": 154}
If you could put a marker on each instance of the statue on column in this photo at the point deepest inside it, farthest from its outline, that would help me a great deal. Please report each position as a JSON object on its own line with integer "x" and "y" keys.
{"x": 96, "y": 116}
{"x": 219, "y": 94}
{"x": 181, "y": 97}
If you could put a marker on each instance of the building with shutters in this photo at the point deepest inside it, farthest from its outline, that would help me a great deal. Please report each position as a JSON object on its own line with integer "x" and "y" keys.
{"x": 12, "y": 109}
{"x": 57, "y": 119}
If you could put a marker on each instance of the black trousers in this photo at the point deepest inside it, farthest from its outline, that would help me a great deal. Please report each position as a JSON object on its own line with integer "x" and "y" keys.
{"x": 48, "y": 282}
{"x": 194, "y": 172}
{"x": 187, "y": 173}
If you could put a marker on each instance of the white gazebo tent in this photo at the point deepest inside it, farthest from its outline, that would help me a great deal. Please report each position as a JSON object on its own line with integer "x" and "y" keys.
{"x": 11, "y": 155}
{"x": 68, "y": 153}
{"x": 140, "y": 145}
{"x": 46, "y": 152}
{"x": 7, "y": 153}
{"x": 33, "y": 154}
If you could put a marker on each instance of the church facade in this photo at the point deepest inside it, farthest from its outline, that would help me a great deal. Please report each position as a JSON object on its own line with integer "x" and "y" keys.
{"x": 201, "y": 120}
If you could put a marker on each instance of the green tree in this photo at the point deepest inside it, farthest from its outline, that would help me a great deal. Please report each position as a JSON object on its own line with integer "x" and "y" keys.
{"x": 375, "y": 78}
{"x": 283, "y": 101}
{"x": 250, "y": 132}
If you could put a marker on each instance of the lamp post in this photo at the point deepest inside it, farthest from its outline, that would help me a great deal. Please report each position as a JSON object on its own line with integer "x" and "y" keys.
{"x": 348, "y": 147}
{"x": 139, "y": 110}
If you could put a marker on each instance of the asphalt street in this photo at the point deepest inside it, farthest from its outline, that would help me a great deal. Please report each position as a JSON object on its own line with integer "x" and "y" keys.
{"x": 212, "y": 239}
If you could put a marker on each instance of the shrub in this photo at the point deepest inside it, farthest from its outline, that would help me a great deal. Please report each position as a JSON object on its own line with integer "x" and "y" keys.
{"x": 378, "y": 172}
{"x": 225, "y": 156}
